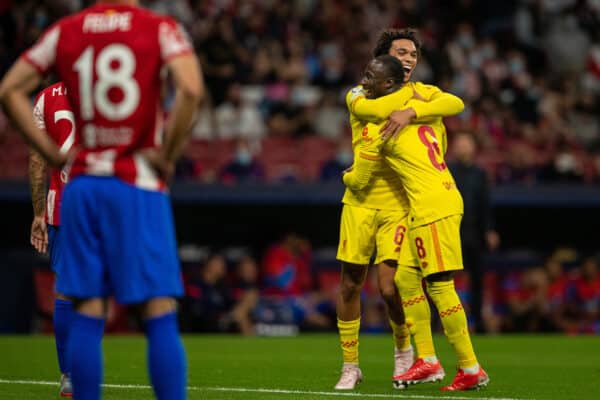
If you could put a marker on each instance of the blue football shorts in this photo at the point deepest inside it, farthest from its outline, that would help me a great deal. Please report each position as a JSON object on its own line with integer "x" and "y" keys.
{"x": 54, "y": 246}
{"x": 118, "y": 240}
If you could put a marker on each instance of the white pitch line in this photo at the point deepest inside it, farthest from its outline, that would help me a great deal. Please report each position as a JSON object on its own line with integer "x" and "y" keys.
{"x": 400, "y": 393}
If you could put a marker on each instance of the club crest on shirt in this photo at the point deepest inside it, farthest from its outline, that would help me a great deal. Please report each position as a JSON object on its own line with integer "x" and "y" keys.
{"x": 365, "y": 135}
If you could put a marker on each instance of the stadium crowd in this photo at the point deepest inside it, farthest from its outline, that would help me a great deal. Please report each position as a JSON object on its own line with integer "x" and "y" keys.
{"x": 277, "y": 72}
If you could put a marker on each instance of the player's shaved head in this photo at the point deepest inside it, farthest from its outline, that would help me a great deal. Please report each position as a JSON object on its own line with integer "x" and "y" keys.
{"x": 383, "y": 75}
{"x": 388, "y": 36}
{"x": 392, "y": 68}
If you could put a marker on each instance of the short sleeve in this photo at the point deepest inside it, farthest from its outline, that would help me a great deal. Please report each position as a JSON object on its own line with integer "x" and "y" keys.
{"x": 173, "y": 40}
{"x": 353, "y": 94}
{"x": 42, "y": 55}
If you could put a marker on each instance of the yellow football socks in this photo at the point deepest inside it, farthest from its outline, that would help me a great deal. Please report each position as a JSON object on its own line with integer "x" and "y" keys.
{"x": 416, "y": 308}
{"x": 454, "y": 321}
{"x": 349, "y": 340}
{"x": 401, "y": 336}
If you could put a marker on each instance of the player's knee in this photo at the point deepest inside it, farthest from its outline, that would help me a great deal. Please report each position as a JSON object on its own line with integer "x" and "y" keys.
{"x": 159, "y": 306}
{"x": 354, "y": 274}
{"x": 350, "y": 289}
{"x": 94, "y": 307}
{"x": 389, "y": 293}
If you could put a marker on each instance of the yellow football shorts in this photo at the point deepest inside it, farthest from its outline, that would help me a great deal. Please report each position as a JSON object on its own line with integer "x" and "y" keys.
{"x": 364, "y": 230}
{"x": 436, "y": 246}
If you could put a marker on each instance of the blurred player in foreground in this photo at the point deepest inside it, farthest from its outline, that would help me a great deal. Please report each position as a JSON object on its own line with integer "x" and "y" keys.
{"x": 417, "y": 156}
{"x": 52, "y": 114}
{"x": 116, "y": 215}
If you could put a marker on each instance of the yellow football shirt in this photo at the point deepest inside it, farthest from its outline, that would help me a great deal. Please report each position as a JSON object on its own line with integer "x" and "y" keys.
{"x": 417, "y": 157}
{"x": 384, "y": 191}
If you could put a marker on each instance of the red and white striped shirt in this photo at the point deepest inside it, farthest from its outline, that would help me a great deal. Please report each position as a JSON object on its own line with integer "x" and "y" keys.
{"x": 52, "y": 113}
{"x": 110, "y": 59}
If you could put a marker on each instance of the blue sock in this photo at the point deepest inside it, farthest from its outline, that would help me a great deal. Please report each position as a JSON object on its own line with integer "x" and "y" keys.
{"x": 63, "y": 314}
{"x": 166, "y": 358}
{"x": 85, "y": 356}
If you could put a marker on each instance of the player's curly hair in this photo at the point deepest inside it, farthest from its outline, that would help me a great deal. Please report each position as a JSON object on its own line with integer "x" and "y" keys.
{"x": 389, "y": 35}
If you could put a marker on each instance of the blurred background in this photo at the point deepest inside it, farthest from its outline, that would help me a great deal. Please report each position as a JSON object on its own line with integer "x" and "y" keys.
{"x": 257, "y": 194}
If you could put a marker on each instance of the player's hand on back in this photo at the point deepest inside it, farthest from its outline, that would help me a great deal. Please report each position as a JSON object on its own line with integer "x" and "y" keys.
{"x": 398, "y": 120}
{"x": 39, "y": 234}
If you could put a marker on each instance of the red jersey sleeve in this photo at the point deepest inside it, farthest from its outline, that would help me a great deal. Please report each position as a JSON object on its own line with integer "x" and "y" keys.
{"x": 42, "y": 55}
{"x": 173, "y": 40}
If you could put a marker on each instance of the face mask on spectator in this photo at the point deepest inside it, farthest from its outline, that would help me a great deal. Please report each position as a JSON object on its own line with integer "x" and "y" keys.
{"x": 488, "y": 52}
{"x": 466, "y": 40}
{"x": 243, "y": 157}
{"x": 516, "y": 66}
{"x": 565, "y": 163}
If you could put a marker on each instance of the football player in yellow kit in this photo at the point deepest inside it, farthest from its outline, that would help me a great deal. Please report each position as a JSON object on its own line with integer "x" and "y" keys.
{"x": 372, "y": 218}
{"x": 432, "y": 237}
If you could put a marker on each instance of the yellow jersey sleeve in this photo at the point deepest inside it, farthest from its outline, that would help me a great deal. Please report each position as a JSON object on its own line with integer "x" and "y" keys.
{"x": 367, "y": 161}
{"x": 427, "y": 92}
{"x": 435, "y": 103}
{"x": 417, "y": 157}
{"x": 376, "y": 110}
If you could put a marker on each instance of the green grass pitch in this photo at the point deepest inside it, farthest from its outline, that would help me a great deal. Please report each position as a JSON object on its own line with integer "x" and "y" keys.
{"x": 307, "y": 367}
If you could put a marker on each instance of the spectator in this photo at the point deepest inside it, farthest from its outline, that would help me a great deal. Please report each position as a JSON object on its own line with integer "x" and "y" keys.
{"x": 244, "y": 168}
{"x": 518, "y": 167}
{"x": 245, "y": 295}
{"x": 477, "y": 228}
{"x": 288, "y": 286}
{"x": 525, "y": 295}
{"x": 331, "y": 119}
{"x": 332, "y": 169}
{"x": 238, "y": 117}
{"x": 565, "y": 167}
{"x": 585, "y": 301}
{"x": 219, "y": 53}
{"x": 208, "y": 299}
{"x": 556, "y": 296}
{"x": 186, "y": 168}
